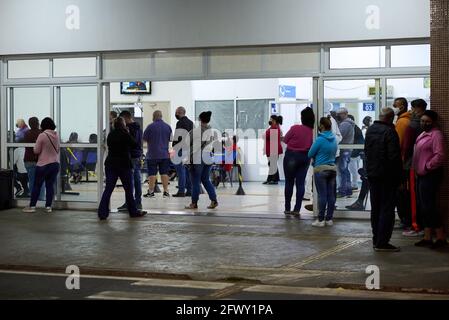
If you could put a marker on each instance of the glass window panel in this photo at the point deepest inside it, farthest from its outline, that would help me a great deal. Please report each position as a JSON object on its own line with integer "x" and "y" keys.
{"x": 179, "y": 64}
{"x": 222, "y": 113}
{"x": 291, "y": 59}
{"x": 235, "y": 61}
{"x": 410, "y": 56}
{"x": 20, "y": 69}
{"x": 409, "y": 88}
{"x": 78, "y": 114}
{"x": 253, "y": 114}
{"x": 75, "y": 67}
{"x": 127, "y": 66}
{"x": 357, "y": 57}
{"x": 29, "y": 102}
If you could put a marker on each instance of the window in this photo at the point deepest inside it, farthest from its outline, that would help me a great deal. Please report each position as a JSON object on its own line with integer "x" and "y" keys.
{"x": 222, "y": 113}
{"x": 75, "y": 67}
{"x": 357, "y": 57}
{"x": 410, "y": 56}
{"x": 21, "y": 69}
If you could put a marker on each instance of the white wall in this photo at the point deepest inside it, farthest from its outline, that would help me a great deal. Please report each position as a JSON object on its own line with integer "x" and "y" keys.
{"x": 105, "y": 25}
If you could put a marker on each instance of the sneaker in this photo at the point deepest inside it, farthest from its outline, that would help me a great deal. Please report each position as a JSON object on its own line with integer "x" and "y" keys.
{"x": 213, "y": 205}
{"x": 387, "y": 248}
{"x": 329, "y": 223}
{"x": 319, "y": 224}
{"x": 123, "y": 208}
{"x": 424, "y": 243}
{"x": 48, "y": 209}
{"x": 179, "y": 195}
{"x": 149, "y": 195}
{"x": 411, "y": 233}
{"x": 309, "y": 207}
{"x": 140, "y": 214}
{"x": 439, "y": 244}
{"x": 29, "y": 209}
{"x": 192, "y": 206}
{"x": 166, "y": 194}
{"x": 356, "y": 206}
{"x": 19, "y": 193}
{"x": 288, "y": 212}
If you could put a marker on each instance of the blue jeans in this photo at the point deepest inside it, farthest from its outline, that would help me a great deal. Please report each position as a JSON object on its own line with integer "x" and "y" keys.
{"x": 325, "y": 182}
{"x": 47, "y": 174}
{"x": 199, "y": 173}
{"x": 345, "y": 188}
{"x": 296, "y": 165}
{"x": 112, "y": 175}
{"x": 183, "y": 178}
{"x": 137, "y": 179}
{"x": 31, "y": 169}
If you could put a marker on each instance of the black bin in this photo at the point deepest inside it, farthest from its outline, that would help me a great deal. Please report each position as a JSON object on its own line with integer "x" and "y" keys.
{"x": 6, "y": 189}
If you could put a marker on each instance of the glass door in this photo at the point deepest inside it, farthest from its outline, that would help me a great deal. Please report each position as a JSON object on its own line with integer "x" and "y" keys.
{"x": 354, "y": 105}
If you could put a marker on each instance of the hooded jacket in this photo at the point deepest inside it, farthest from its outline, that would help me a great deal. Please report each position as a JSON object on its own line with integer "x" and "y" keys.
{"x": 136, "y": 132}
{"x": 347, "y": 131}
{"x": 402, "y": 124}
{"x": 383, "y": 154}
{"x": 324, "y": 149}
{"x": 47, "y": 148}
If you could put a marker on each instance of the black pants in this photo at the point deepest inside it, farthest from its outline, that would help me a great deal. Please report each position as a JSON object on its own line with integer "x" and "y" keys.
{"x": 383, "y": 201}
{"x": 273, "y": 177}
{"x": 404, "y": 201}
{"x": 427, "y": 193}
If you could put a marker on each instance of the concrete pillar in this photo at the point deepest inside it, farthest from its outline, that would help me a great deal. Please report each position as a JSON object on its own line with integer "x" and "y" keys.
{"x": 440, "y": 82}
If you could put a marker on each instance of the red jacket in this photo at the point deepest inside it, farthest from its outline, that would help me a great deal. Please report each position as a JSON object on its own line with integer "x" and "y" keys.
{"x": 269, "y": 136}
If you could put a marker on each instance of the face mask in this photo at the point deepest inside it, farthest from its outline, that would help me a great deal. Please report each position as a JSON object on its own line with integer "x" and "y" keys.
{"x": 426, "y": 127}
{"x": 177, "y": 116}
{"x": 270, "y": 122}
{"x": 396, "y": 111}
{"x": 17, "y": 125}
{"x": 338, "y": 118}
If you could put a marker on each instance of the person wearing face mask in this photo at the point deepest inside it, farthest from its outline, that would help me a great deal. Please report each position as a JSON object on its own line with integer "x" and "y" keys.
{"x": 400, "y": 107}
{"x": 384, "y": 169}
{"x": 428, "y": 162}
{"x": 418, "y": 107}
{"x": 183, "y": 127}
{"x": 323, "y": 152}
{"x": 273, "y": 148}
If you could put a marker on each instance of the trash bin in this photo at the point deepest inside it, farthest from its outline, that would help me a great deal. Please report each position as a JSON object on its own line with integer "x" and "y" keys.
{"x": 6, "y": 189}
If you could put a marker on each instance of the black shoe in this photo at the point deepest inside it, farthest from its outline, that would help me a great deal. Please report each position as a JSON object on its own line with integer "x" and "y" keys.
{"x": 424, "y": 243}
{"x": 309, "y": 207}
{"x": 103, "y": 218}
{"x": 139, "y": 214}
{"x": 188, "y": 194}
{"x": 123, "y": 208}
{"x": 149, "y": 195}
{"x": 439, "y": 244}
{"x": 273, "y": 182}
{"x": 166, "y": 194}
{"x": 356, "y": 206}
{"x": 179, "y": 195}
{"x": 387, "y": 248}
{"x": 288, "y": 212}
{"x": 266, "y": 182}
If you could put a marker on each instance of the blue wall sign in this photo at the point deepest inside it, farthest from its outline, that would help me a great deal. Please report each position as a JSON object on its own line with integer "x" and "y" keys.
{"x": 369, "y": 106}
{"x": 287, "y": 92}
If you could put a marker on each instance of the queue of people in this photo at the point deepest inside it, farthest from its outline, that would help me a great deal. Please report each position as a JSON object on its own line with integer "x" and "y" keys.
{"x": 402, "y": 165}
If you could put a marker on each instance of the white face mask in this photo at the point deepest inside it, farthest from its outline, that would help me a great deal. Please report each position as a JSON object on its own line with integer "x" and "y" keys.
{"x": 396, "y": 111}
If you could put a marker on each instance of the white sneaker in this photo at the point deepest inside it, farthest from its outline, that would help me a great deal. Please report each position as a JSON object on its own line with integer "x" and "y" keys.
{"x": 29, "y": 209}
{"x": 329, "y": 223}
{"x": 319, "y": 224}
{"x": 48, "y": 209}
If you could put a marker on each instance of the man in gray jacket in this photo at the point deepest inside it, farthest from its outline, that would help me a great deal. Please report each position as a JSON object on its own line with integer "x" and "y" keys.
{"x": 346, "y": 126}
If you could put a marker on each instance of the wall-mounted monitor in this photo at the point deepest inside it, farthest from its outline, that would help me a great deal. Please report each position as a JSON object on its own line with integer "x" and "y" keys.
{"x": 135, "y": 87}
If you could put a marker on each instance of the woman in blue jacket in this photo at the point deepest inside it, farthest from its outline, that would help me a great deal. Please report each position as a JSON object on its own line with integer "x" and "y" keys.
{"x": 323, "y": 153}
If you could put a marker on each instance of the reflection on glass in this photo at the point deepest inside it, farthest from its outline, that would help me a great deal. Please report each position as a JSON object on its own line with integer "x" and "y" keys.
{"x": 358, "y": 98}
{"x": 222, "y": 113}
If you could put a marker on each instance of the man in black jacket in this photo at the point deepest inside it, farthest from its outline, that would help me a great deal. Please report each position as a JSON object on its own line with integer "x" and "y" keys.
{"x": 384, "y": 169}
{"x": 136, "y": 158}
{"x": 183, "y": 127}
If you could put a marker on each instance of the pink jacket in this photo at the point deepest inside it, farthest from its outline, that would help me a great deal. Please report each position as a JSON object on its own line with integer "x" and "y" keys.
{"x": 299, "y": 138}
{"x": 44, "y": 148}
{"x": 429, "y": 152}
